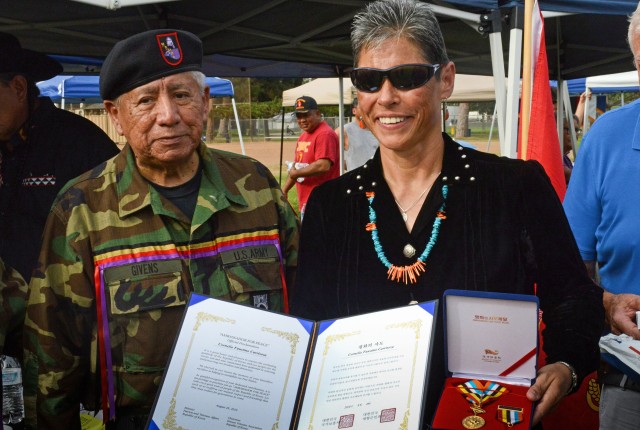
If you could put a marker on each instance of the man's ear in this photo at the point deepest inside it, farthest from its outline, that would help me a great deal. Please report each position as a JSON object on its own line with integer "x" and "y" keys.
{"x": 113, "y": 110}
{"x": 20, "y": 86}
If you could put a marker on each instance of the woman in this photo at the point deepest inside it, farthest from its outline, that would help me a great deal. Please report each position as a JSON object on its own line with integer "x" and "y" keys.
{"x": 445, "y": 216}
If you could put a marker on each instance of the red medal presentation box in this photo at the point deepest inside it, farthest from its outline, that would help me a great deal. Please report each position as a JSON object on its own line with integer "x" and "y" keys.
{"x": 491, "y": 355}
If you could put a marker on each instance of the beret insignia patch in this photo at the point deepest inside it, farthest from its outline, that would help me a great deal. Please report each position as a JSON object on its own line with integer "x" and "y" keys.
{"x": 170, "y": 48}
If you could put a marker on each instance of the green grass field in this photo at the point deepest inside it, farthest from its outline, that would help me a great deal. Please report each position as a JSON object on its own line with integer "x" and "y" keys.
{"x": 293, "y": 194}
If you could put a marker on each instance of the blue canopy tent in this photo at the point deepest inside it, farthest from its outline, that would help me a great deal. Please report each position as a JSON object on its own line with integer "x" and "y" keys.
{"x": 86, "y": 89}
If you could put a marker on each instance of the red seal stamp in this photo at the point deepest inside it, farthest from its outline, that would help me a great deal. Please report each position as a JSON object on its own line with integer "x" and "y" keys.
{"x": 388, "y": 415}
{"x": 346, "y": 421}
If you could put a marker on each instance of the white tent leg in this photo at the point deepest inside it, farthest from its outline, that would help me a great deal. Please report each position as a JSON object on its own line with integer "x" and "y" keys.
{"x": 497, "y": 63}
{"x": 235, "y": 113}
{"x": 564, "y": 85}
{"x": 585, "y": 119}
{"x": 493, "y": 121}
{"x": 509, "y": 147}
{"x": 341, "y": 122}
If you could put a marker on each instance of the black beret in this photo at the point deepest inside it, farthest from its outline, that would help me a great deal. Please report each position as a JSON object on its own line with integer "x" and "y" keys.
{"x": 32, "y": 64}
{"x": 148, "y": 56}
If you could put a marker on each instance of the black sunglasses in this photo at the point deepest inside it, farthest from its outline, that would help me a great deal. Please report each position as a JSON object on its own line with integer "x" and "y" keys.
{"x": 403, "y": 77}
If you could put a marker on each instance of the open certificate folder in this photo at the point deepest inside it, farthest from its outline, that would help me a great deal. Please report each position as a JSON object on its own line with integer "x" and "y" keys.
{"x": 237, "y": 367}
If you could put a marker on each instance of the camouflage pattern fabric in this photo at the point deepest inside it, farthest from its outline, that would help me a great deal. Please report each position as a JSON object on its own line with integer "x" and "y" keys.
{"x": 13, "y": 294}
{"x": 112, "y": 244}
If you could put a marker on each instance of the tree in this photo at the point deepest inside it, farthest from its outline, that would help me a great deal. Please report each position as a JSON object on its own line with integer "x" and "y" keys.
{"x": 463, "y": 120}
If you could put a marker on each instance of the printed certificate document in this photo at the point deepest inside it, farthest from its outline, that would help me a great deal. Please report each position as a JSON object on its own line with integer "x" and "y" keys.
{"x": 238, "y": 367}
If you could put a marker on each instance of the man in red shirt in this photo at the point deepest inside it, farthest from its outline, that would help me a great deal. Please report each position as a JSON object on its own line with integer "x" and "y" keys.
{"x": 316, "y": 157}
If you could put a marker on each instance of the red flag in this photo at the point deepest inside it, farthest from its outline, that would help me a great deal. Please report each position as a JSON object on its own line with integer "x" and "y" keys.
{"x": 543, "y": 144}
{"x": 581, "y": 409}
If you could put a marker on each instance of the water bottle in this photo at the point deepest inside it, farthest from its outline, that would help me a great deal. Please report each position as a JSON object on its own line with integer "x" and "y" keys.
{"x": 12, "y": 400}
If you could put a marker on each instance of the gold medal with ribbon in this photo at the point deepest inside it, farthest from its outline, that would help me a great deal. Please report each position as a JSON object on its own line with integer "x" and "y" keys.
{"x": 479, "y": 393}
{"x": 473, "y": 422}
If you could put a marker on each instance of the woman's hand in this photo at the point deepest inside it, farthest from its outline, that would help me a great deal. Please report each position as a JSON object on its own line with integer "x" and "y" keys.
{"x": 552, "y": 384}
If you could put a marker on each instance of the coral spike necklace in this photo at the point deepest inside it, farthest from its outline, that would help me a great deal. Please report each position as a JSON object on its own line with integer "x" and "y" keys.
{"x": 409, "y": 273}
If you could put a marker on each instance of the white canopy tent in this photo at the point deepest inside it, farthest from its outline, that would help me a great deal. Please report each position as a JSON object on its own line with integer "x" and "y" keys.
{"x": 626, "y": 81}
{"x": 471, "y": 88}
{"x": 326, "y": 91}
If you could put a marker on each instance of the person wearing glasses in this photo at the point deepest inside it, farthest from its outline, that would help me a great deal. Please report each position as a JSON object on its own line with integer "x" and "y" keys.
{"x": 426, "y": 214}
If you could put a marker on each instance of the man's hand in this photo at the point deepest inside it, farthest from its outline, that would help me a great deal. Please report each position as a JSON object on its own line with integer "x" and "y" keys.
{"x": 552, "y": 384}
{"x": 620, "y": 313}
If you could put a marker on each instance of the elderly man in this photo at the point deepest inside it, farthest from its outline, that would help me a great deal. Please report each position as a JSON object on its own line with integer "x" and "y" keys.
{"x": 316, "y": 157}
{"x": 41, "y": 149}
{"x": 126, "y": 244}
{"x": 604, "y": 214}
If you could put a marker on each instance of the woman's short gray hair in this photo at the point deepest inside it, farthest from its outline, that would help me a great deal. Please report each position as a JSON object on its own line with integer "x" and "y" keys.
{"x": 385, "y": 19}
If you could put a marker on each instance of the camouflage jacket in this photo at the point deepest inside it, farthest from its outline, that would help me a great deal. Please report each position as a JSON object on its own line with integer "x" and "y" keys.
{"x": 13, "y": 293}
{"x": 114, "y": 247}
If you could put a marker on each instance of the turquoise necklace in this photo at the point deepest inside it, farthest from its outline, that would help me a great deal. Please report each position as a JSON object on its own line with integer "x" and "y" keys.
{"x": 409, "y": 273}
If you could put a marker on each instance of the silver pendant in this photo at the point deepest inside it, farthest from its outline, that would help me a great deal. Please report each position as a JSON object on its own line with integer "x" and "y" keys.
{"x": 404, "y": 216}
{"x": 408, "y": 250}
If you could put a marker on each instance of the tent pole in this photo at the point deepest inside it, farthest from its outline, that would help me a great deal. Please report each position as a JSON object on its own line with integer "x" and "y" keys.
{"x": 341, "y": 122}
{"x": 497, "y": 63}
{"x": 235, "y": 113}
{"x": 510, "y": 143}
{"x": 281, "y": 145}
{"x": 62, "y": 94}
{"x": 585, "y": 119}
{"x": 493, "y": 121}
{"x": 567, "y": 109}
{"x": 527, "y": 78}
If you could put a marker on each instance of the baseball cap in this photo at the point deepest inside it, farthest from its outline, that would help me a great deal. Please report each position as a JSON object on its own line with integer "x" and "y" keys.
{"x": 305, "y": 104}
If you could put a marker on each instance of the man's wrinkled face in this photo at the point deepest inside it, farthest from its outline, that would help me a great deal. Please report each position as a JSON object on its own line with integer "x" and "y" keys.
{"x": 162, "y": 120}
